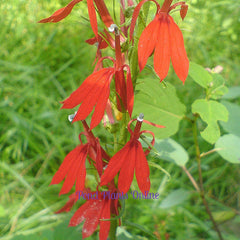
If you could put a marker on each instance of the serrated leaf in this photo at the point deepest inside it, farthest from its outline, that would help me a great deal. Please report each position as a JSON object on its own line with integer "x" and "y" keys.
{"x": 170, "y": 150}
{"x": 176, "y": 197}
{"x": 199, "y": 75}
{"x": 210, "y": 112}
{"x": 160, "y": 105}
{"x": 232, "y": 125}
{"x": 228, "y": 146}
{"x": 233, "y": 92}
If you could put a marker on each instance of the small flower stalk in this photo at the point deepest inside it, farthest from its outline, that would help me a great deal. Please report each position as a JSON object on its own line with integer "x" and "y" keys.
{"x": 109, "y": 91}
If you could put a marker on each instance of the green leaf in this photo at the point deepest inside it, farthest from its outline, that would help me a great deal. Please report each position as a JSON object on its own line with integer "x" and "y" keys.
{"x": 232, "y": 125}
{"x": 199, "y": 75}
{"x": 228, "y": 146}
{"x": 217, "y": 87}
{"x": 223, "y": 216}
{"x": 176, "y": 197}
{"x": 143, "y": 229}
{"x": 160, "y": 105}
{"x": 233, "y": 92}
{"x": 170, "y": 150}
{"x": 63, "y": 232}
{"x": 210, "y": 112}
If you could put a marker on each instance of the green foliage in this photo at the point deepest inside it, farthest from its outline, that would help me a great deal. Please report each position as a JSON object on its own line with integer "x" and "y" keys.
{"x": 160, "y": 105}
{"x": 233, "y": 92}
{"x": 174, "y": 198}
{"x": 169, "y": 150}
{"x": 228, "y": 146}
{"x": 210, "y": 112}
{"x": 232, "y": 125}
{"x": 200, "y": 75}
{"x": 41, "y": 65}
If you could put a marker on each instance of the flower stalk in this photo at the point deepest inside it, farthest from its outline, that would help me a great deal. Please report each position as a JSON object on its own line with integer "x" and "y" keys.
{"x": 202, "y": 192}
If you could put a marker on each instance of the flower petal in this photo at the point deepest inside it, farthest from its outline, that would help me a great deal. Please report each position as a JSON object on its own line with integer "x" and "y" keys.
{"x": 101, "y": 103}
{"x": 66, "y": 165}
{"x": 103, "y": 11}
{"x": 105, "y": 225}
{"x": 92, "y": 218}
{"x": 80, "y": 214}
{"x": 147, "y": 42}
{"x": 81, "y": 176}
{"x": 82, "y": 92}
{"x": 114, "y": 165}
{"x": 179, "y": 58}
{"x": 92, "y": 16}
{"x": 74, "y": 171}
{"x": 142, "y": 169}
{"x": 60, "y": 13}
{"x": 136, "y": 13}
{"x": 127, "y": 169}
{"x": 162, "y": 50}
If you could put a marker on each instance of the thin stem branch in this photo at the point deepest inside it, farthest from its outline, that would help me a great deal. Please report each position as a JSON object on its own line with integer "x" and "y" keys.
{"x": 191, "y": 179}
{"x": 202, "y": 193}
{"x": 209, "y": 152}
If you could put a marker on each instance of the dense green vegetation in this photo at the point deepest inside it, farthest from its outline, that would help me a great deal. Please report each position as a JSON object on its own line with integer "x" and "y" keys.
{"x": 41, "y": 64}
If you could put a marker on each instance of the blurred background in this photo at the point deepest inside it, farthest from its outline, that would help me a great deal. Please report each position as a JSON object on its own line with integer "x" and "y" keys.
{"x": 40, "y": 65}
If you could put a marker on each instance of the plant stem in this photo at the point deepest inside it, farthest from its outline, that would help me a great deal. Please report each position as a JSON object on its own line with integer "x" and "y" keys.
{"x": 113, "y": 228}
{"x": 191, "y": 179}
{"x": 202, "y": 193}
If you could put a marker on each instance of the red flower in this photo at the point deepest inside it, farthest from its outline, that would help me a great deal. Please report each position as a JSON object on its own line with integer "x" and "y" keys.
{"x": 164, "y": 37}
{"x": 129, "y": 159}
{"x": 95, "y": 91}
{"x": 93, "y": 212}
{"x": 61, "y": 13}
{"x": 65, "y": 11}
{"x": 73, "y": 166}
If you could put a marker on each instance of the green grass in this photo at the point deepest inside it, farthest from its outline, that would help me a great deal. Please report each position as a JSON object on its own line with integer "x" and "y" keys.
{"x": 40, "y": 65}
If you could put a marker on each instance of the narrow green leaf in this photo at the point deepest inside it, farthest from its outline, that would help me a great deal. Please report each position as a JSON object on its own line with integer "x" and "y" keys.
{"x": 160, "y": 105}
{"x": 200, "y": 75}
{"x": 210, "y": 112}
{"x": 228, "y": 146}
{"x": 141, "y": 228}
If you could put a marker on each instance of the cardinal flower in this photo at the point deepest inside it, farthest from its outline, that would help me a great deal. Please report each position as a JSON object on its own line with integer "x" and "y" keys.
{"x": 129, "y": 159}
{"x": 94, "y": 92}
{"x": 73, "y": 166}
{"x": 164, "y": 37}
{"x": 95, "y": 212}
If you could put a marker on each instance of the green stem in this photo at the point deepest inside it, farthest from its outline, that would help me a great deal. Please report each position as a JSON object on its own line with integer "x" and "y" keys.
{"x": 113, "y": 229}
{"x": 123, "y": 131}
{"x": 202, "y": 192}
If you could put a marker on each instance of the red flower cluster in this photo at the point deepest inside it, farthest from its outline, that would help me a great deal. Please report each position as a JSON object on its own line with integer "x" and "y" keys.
{"x": 163, "y": 37}
{"x": 131, "y": 157}
{"x": 96, "y": 211}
